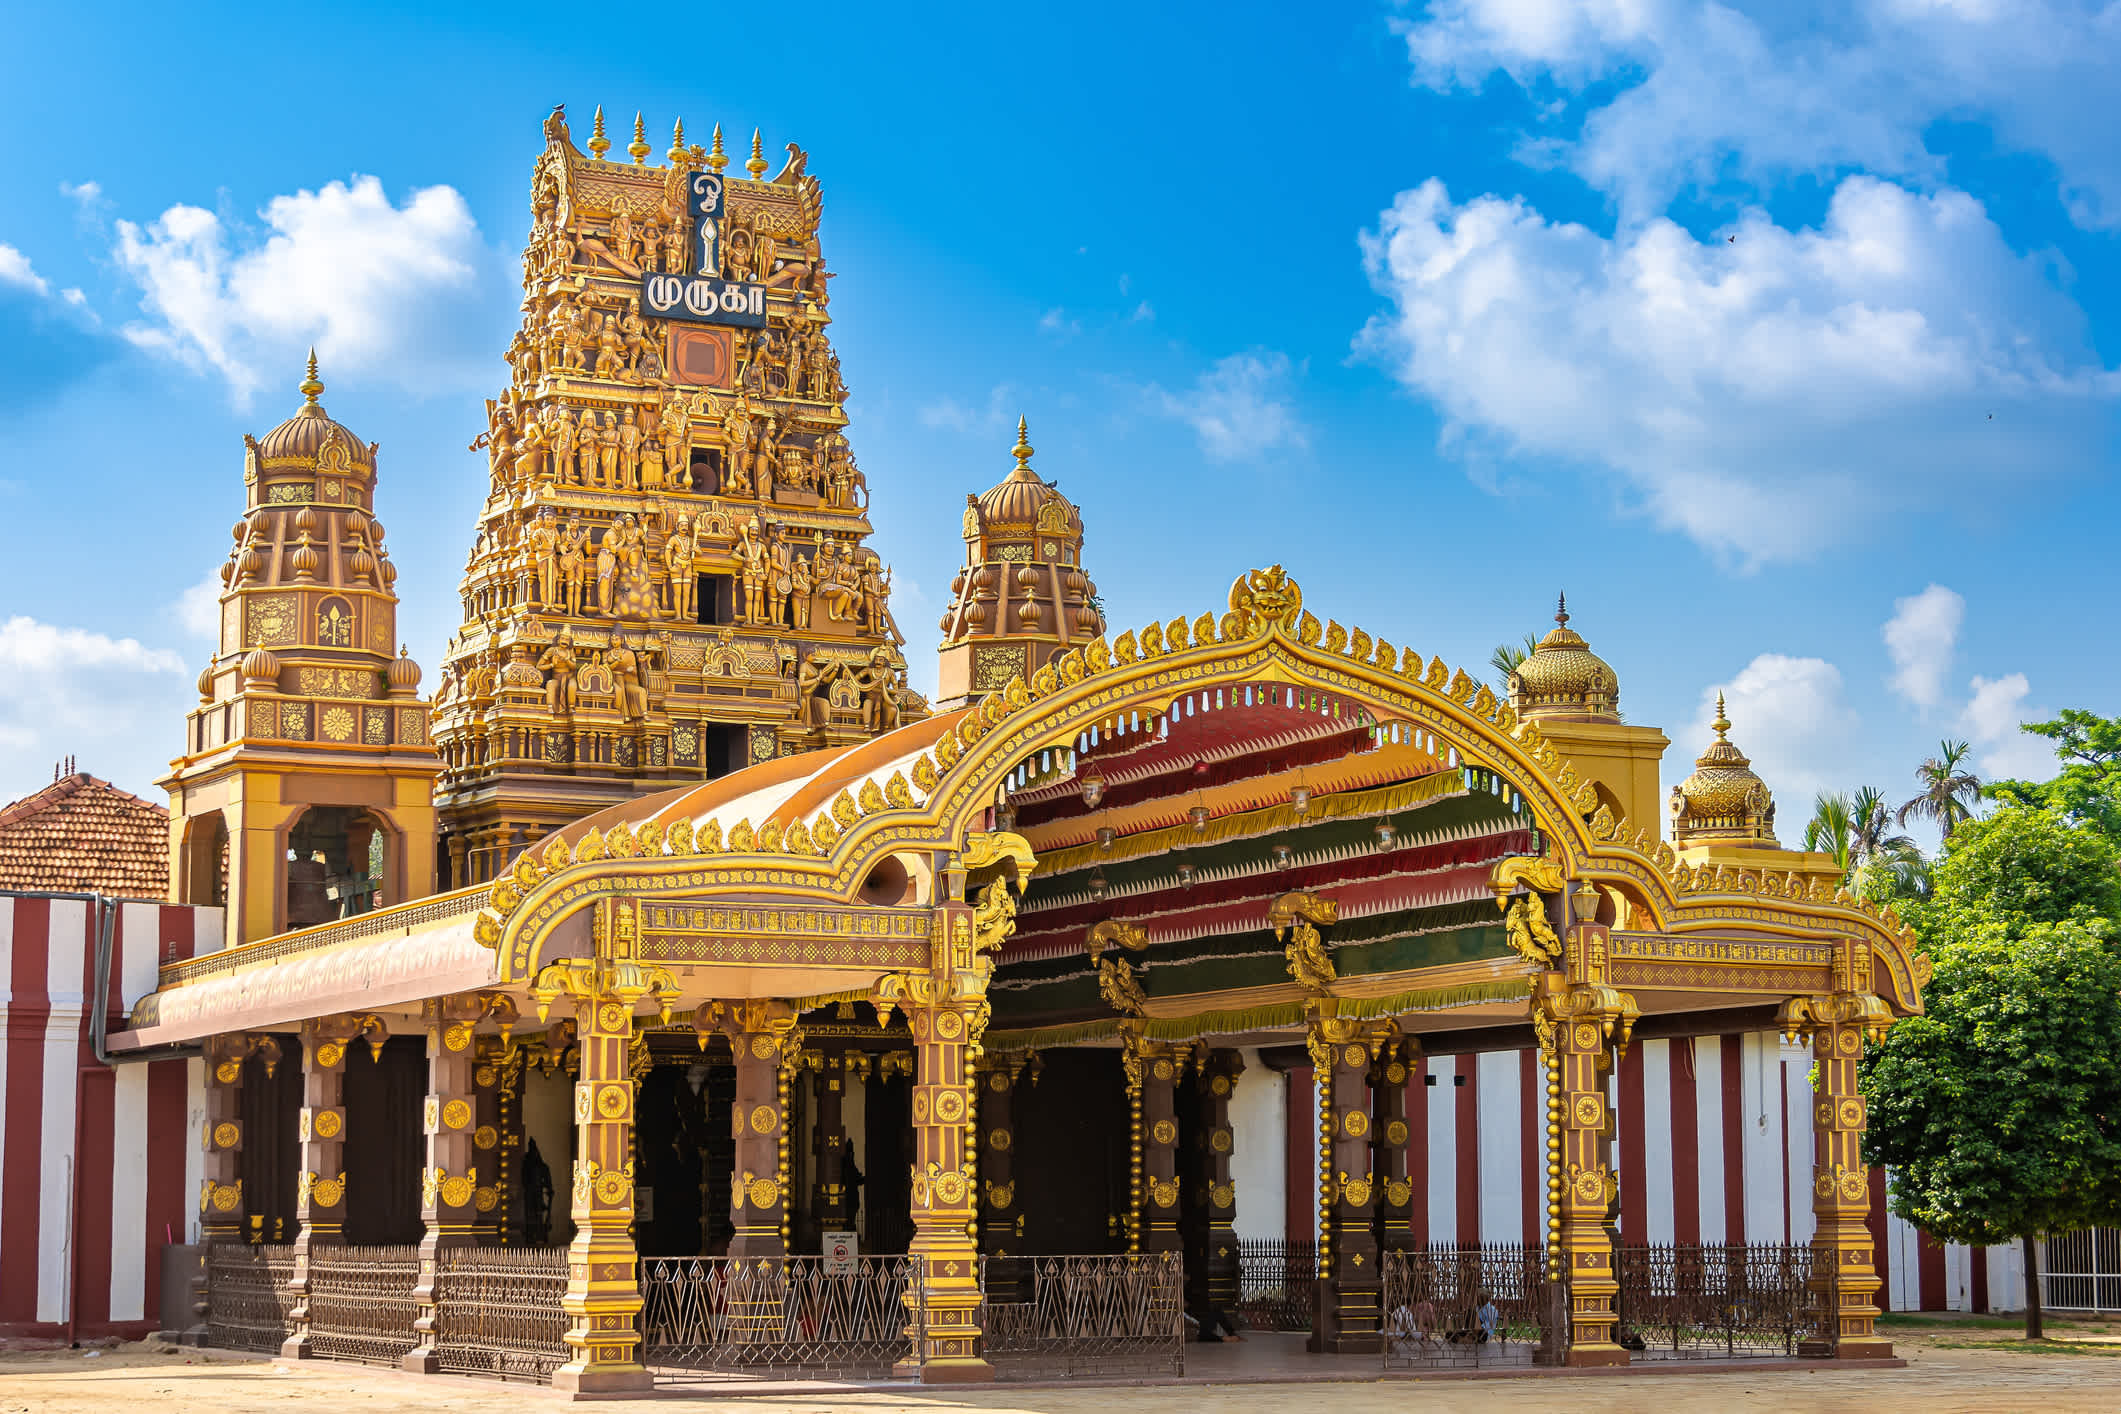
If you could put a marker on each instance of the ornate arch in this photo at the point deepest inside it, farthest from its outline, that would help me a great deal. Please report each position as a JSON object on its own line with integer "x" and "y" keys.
{"x": 1266, "y": 636}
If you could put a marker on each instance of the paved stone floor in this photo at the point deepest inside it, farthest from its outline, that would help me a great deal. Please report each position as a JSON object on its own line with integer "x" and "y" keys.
{"x": 1947, "y": 1369}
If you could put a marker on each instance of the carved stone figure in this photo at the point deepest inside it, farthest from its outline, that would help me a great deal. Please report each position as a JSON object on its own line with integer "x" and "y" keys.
{"x": 799, "y": 594}
{"x": 542, "y": 541}
{"x": 607, "y": 568}
{"x": 782, "y": 582}
{"x": 558, "y": 665}
{"x": 626, "y": 676}
{"x": 629, "y": 434}
{"x": 608, "y": 453}
{"x": 563, "y": 446}
{"x": 752, "y": 549}
{"x": 573, "y": 565}
{"x": 611, "y": 349}
{"x": 684, "y": 584}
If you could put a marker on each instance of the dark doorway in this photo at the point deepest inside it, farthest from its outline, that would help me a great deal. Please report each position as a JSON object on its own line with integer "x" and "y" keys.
{"x": 1072, "y": 1154}
{"x": 271, "y": 1106}
{"x": 717, "y": 599}
{"x": 385, "y": 1149}
{"x": 887, "y": 1164}
{"x": 722, "y": 749}
{"x": 706, "y": 471}
{"x": 670, "y": 1148}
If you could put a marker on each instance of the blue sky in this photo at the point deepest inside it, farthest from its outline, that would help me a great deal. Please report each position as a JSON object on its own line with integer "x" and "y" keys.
{"x": 1784, "y": 339}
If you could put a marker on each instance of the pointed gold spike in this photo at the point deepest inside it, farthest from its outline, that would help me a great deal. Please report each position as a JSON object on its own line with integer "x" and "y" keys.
{"x": 756, "y": 163}
{"x": 677, "y": 142}
{"x": 639, "y": 149}
{"x": 310, "y": 387}
{"x": 717, "y": 159}
{"x": 1022, "y": 450}
{"x": 598, "y": 143}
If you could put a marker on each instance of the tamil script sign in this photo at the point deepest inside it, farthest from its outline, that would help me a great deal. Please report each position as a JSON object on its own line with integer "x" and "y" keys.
{"x": 704, "y": 203}
{"x": 705, "y": 299}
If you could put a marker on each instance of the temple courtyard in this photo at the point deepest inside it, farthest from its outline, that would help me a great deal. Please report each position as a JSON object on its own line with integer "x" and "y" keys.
{"x": 1950, "y": 1364}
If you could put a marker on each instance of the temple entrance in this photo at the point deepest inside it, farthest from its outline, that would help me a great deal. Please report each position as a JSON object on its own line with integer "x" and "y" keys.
{"x": 386, "y": 1148}
{"x": 1072, "y": 1152}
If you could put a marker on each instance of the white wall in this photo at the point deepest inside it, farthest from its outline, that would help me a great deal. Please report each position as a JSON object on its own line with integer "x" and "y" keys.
{"x": 1258, "y": 1116}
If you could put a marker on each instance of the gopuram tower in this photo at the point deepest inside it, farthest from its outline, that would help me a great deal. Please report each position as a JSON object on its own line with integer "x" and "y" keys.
{"x": 304, "y": 792}
{"x": 669, "y": 580}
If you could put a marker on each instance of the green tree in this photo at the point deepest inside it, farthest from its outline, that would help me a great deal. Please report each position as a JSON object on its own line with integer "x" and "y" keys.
{"x": 2021, "y": 867}
{"x": 1999, "y": 1109}
{"x": 2088, "y": 787}
{"x": 1947, "y": 791}
{"x": 1508, "y": 657}
{"x": 1871, "y": 834}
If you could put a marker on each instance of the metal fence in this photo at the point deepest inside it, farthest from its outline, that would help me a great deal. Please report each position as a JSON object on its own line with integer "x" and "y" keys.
{"x": 361, "y": 1305}
{"x": 498, "y": 1311}
{"x": 1452, "y": 1305}
{"x": 1713, "y": 1299}
{"x": 2081, "y": 1271}
{"x": 1091, "y": 1315}
{"x": 247, "y": 1300}
{"x": 1276, "y": 1282}
{"x": 779, "y": 1317}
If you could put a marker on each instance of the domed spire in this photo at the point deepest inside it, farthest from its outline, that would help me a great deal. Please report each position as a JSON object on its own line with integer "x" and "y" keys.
{"x": 1723, "y": 801}
{"x": 311, "y": 385}
{"x": 1562, "y": 677}
{"x": 1022, "y": 450}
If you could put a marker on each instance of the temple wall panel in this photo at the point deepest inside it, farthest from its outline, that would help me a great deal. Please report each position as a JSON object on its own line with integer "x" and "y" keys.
{"x": 82, "y": 1226}
{"x": 1712, "y": 1144}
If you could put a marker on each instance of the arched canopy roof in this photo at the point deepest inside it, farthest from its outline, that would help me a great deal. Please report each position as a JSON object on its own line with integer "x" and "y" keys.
{"x": 810, "y": 828}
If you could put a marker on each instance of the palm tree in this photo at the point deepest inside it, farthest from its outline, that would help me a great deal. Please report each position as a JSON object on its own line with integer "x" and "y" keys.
{"x": 1871, "y": 836}
{"x": 1508, "y": 657}
{"x": 1831, "y": 831}
{"x": 1943, "y": 783}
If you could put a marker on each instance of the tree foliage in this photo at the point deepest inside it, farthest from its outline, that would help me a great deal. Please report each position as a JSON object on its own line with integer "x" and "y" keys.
{"x": 1948, "y": 792}
{"x": 2021, "y": 867}
{"x": 2088, "y": 787}
{"x": 1999, "y": 1110}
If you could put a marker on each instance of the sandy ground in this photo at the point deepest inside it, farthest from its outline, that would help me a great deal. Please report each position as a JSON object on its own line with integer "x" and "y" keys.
{"x": 1952, "y": 1369}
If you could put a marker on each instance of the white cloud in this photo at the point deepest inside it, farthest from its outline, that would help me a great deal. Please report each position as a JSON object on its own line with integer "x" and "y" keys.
{"x": 16, "y": 270}
{"x": 1789, "y": 716}
{"x": 1143, "y": 312}
{"x": 86, "y": 195}
{"x": 950, "y": 414}
{"x": 1991, "y": 719}
{"x": 1921, "y": 637}
{"x": 375, "y": 287}
{"x": 198, "y": 608}
{"x": 1056, "y": 321}
{"x": 1765, "y": 395}
{"x": 1691, "y": 93}
{"x": 113, "y": 702}
{"x": 1240, "y": 408}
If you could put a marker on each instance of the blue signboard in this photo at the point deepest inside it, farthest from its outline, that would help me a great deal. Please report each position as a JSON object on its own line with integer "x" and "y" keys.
{"x": 704, "y": 299}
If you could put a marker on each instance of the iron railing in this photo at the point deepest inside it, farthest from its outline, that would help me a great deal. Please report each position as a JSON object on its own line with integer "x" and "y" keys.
{"x": 247, "y": 1300}
{"x": 779, "y": 1317}
{"x": 1276, "y": 1283}
{"x": 1714, "y": 1299}
{"x": 361, "y": 1305}
{"x": 2081, "y": 1271}
{"x": 498, "y": 1311}
{"x": 1476, "y": 1304}
{"x": 1097, "y": 1315}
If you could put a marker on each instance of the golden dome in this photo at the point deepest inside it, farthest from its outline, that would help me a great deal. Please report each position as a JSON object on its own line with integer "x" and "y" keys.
{"x": 302, "y": 437}
{"x": 261, "y": 668}
{"x": 403, "y": 672}
{"x": 1020, "y": 496}
{"x": 1562, "y": 676}
{"x": 1723, "y": 799}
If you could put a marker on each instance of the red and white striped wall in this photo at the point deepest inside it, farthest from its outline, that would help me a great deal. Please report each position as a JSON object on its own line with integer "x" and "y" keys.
{"x": 98, "y": 1164}
{"x": 1713, "y": 1143}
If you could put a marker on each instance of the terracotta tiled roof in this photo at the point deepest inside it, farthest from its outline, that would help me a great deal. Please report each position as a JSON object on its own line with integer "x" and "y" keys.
{"x": 82, "y": 833}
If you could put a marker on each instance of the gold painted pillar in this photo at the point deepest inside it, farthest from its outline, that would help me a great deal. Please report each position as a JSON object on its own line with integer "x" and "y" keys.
{"x": 221, "y": 1208}
{"x": 765, "y": 1042}
{"x": 447, "y": 1186}
{"x": 603, "y": 1299}
{"x": 1583, "y": 1023}
{"x": 1153, "y": 1069}
{"x": 1844, "y": 1280}
{"x": 1219, "y": 1072}
{"x": 946, "y": 1010}
{"x": 499, "y": 1066}
{"x": 1349, "y": 1317}
{"x": 1395, "y": 1065}
{"x": 320, "y": 1197}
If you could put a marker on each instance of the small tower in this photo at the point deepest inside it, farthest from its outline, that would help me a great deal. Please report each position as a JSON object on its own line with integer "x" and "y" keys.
{"x": 1022, "y": 597}
{"x": 1723, "y": 801}
{"x": 1574, "y": 696}
{"x": 304, "y": 792}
